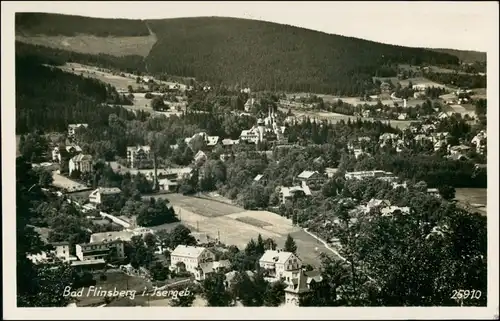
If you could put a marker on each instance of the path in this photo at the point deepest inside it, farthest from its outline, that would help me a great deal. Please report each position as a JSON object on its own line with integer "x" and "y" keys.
{"x": 337, "y": 253}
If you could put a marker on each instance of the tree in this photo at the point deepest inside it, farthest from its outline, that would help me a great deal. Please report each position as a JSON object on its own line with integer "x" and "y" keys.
{"x": 270, "y": 244}
{"x": 290, "y": 245}
{"x": 215, "y": 292}
{"x": 45, "y": 178}
{"x": 447, "y": 192}
{"x": 181, "y": 235}
{"x": 157, "y": 103}
{"x": 275, "y": 294}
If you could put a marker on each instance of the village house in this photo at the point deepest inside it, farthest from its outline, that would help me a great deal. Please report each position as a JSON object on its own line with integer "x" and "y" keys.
{"x": 279, "y": 264}
{"x": 125, "y": 236}
{"x": 81, "y": 163}
{"x": 230, "y": 142}
{"x": 249, "y": 104}
{"x": 210, "y": 141}
{"x": 434, "y": 192}
{"x": 390, "y": 210}
{"x": 73, "y": 127}
{"x": 101, "y": 193}
{"x": 97, "y": 251}
{"x": 375, "y": 203}
{"x": 200, "y": 156}
{"x": 261, "y": 179}
{"x": 60, "y": 252}
{"x": 137, "y": 154}
{"x": 311, "y": 178}
{"x": 365, "y": 174}
{"x": 385, "y": 87}
{"x": 459, "y": 150}
{"x": 296, "y": 288}
{"x": 443, "y": 115}
{"x": 289, "y": 193}
{"x": 479, "y": 141}
{"x": 189, "y": 258}
{"x": 207, "y": 268}
{"x": 225, "y": 157}
{"x": 330, "y": 172}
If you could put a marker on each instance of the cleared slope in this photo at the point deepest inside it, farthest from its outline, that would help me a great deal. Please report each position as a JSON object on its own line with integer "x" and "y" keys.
{"x": 115, "y": 37}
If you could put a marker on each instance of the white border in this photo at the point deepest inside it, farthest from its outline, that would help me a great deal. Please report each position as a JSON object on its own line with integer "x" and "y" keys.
{"x": 490, "y": 39}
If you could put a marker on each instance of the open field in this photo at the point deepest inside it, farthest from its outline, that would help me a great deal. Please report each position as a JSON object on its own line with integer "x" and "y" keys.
{"x": 66, "y": 183}
{"x": 334, "y": 118}
{"x": 216, "y": 218}
{"x": 420, "y": 81}
{"x": 210, "y": 208}
{"x": 475, "y": 197}
{"x": 479, "y": 93}
{"x": 114, "y": 46}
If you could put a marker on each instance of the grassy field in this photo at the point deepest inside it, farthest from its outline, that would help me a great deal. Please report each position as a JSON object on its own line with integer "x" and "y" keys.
{"x": 88, "y": 44}
{"x": 235, "y": 226}
{"x": 334, "y": 118}
{"x": 476, "y": 197}
{"x": 66, "y": 183}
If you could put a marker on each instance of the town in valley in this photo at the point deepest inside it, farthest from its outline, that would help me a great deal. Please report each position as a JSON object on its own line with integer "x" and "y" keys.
{"x": 148, "y": 175}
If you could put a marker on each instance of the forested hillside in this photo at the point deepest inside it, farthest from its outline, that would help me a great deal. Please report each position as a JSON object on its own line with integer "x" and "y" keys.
{"x": 49, "y": 99}
{"x": 465, "y": 55}
{"x": 267, "y": 55}
{"x": 54, "y": 56}
{"x": 36, "y": 23}
{"x": 261, "y": 55}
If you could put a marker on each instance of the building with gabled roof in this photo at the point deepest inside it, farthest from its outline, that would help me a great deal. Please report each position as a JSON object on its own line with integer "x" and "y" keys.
{"x": 189, "y": 258}
{"x": 280, "y": 264}
{"x": 80, "y": 162}
{"x": 99, "y": 194}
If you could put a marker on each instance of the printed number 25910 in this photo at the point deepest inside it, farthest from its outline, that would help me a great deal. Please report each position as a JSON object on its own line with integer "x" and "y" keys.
{"x": 465, "y": 294}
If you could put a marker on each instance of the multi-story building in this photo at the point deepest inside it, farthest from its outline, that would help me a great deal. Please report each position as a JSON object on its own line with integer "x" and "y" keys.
{"x": 288, "y": 193}
{"x": 280, "y": 264}
{"x": 81, "y": 162}
{"x": 189, "y": 258}
{"x": 61, "y": 250}
{"x": 101, "y": 193}
{"x": 480, "y": 141}
{"x": 311, "y": 178}
{"x": 100, "y": 250}
{"x": 136, "y": 155}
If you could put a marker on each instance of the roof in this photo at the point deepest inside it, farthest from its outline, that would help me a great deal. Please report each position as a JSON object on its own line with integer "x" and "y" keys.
{"x": 212, "y": 140}
{"x": 111, "y": 236}
{"x": 109, "y": 190}
{"x": 375, "y": 202}
{"x": 81, "y": 158}
{"x": 258, "y": 177}
{"x": 77, "y": 125}
{"x": 228, "y": 141}
{"x": 231, "y": 275}
{"x": 208, "y": 267}
{"x": 272, "y": 256}
{"x": 307, "y": 174}
{"x": 200, "y": 154}
{"x": 459, "y": 147}
{"x": 137, "y": 148}
{"x": 313, "y": 276}
{"x": 391, "y": 209}
{"x": 188, "y": 251}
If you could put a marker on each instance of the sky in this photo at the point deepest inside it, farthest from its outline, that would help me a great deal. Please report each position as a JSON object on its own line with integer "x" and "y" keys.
{"x": 455, "y": 25}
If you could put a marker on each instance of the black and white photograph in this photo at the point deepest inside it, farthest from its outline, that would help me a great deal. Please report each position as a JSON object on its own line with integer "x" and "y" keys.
{"x": 254, "y": 158}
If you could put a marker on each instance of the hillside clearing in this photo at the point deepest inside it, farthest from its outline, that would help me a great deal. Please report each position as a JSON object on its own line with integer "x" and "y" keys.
{"x": 87, "y": 44}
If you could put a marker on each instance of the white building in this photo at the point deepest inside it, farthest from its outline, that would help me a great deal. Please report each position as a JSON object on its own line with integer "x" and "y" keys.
{"x": 99, "y": 194}
{"x": 125, "y": 236}
{"x": 479, "y": 141}
{"x": 288, "y": 193}
{"x": 280, "y": 264}
{"x": 136, "y": 154}
{"x": 365, "y": 174}
{"x": 80, "y": 162}
{"x": 200, "y": 156}
{"x": 189, "y": 258}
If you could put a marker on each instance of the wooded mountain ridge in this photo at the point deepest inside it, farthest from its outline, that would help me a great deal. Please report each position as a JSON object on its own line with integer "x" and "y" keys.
{"x": 250, "y": 53}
